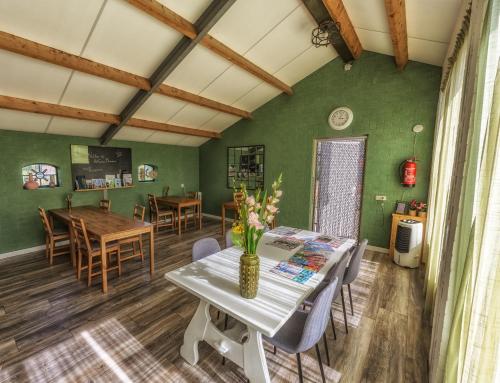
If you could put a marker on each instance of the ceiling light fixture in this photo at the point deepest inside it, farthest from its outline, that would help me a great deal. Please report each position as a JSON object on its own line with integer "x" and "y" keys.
{"x": 322, "y": 35}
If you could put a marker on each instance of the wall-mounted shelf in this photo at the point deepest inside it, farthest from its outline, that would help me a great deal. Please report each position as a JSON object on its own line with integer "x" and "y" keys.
{"x": 97, "y": 189}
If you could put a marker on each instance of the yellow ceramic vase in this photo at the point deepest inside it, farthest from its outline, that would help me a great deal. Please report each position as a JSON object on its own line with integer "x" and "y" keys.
{"x": 249, "y": 275}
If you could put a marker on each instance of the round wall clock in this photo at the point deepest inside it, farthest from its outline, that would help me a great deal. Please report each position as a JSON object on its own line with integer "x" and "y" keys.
{"x": 340, "y": 118}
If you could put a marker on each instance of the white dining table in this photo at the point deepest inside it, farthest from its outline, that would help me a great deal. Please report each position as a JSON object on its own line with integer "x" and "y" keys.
{"x": 215, "y": 281}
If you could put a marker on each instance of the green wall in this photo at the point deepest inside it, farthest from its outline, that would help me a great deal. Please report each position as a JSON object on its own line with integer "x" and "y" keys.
{"x": 20, "y": 225}
{"x": 386, "y": 105}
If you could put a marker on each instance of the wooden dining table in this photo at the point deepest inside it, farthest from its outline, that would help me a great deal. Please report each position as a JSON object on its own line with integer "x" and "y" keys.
{"x": 179, "y": 203}
{"x": 106, "y": 227}
{"x": 214, "y": 280}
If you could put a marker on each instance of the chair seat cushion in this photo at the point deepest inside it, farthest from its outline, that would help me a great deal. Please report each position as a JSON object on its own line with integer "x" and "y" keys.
{"x": 289, "y": 336}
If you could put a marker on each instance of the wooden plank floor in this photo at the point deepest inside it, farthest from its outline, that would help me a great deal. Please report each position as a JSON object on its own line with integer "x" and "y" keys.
{"x": 54, "y": 328}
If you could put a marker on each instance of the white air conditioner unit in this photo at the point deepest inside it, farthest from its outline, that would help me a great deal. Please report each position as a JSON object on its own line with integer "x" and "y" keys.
{"x": 408, "y": 246}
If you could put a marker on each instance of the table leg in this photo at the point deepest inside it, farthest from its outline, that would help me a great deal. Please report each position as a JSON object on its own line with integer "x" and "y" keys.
{"x": 223, "y": 220}
{"x": 151, "y": 251}
{"x": 104, "y": 266}
{"x": 254, "y": 358}
{"x": 179, "y": 221}
{"x": 195, "y": 332}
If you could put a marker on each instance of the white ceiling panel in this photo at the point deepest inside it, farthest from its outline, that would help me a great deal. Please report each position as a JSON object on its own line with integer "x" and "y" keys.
{"x": 190, "y": 10}
{"x": 246, "y": 22}
{"x": 95, "y": 93}
{"x": 72, "y": 127}
{"x": 192, "y": 116}
{"x": 159, "y": 108}
{"x": 308, "y": 62}
{"x": 379, "y": 42}
{"x": 23, "y": 121}
{"x": 369, "y": 15}
{"x": 432, "y": 19}
{"x": 165, "y": 138}
{"x": 197, "y": 70}
{"x": 285, "y": 42}
{"x": 129, "y": 39}
{"x": 33, "y": 79}
{"x": 220, "y": 122}
{"x": 231, "y": 85}
{"x": 61, "y": 24}
{"x": 257, "y": 97}
{"x": 426, "y": 51}
{"x": 193, "y": 141}
{"x": 128, "y": 133}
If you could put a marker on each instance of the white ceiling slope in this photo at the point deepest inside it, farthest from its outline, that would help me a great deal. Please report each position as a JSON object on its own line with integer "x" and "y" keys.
{"x": 274, "y": 35}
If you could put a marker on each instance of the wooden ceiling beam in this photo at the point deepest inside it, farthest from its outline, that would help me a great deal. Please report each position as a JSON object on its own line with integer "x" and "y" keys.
{"x": 396, "y": 14}
{"x": 205, "y": 22}
{"x": 55, "y": 56}
{"x": 40, "y": 107}
{"x": 181, "y": 25}
{"x": 339, "y": 15}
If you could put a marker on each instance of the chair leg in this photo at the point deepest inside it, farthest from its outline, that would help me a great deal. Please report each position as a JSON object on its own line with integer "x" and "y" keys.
{"x": 141, "y": 249}
{"x": 118, "y": 255}
{"x": 333, "y": 325}
{"x": 299, "y": 366}
{"x": 326, "y": 349}
{"x": 225, "y": 328}
{"x": 318, "y": 354}
{"x": 51, "y": 252}
{"x": 275, "y": 350}
{"x": 218, "y": 314}
{"x": 350, "y": 298}
{"x": 47, "y": 242}
{"x": 343, "y": 308}
{"x": 89, "y": 270}
{"x": 79, "y": 265}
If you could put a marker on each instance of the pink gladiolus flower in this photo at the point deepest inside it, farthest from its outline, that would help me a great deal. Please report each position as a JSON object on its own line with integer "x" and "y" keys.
{"x": 270, "y": 218}
{"x": 272, "y": 209}
{"x": 279, "y": 193}
{"x": 253, "y": 221}
{"x": 250, "y": 201}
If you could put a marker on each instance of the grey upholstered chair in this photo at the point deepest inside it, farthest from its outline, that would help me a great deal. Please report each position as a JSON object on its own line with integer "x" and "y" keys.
{"x": 338, "y": 272}
{"x": 204, "y": 247}
{"x": 352, "y": 271}
{"x": 305, "y": 329}
{"x": 229, "y": 238}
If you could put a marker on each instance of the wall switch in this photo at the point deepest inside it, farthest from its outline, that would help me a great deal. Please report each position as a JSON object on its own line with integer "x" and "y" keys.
{"x": 380, "y": 198}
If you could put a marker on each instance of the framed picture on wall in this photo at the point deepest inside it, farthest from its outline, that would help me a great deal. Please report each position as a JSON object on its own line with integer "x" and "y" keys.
{"x": 245, "y": 165}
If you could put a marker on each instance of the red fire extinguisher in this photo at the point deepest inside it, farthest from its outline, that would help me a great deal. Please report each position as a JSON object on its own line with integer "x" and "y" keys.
{"x": 408, "y": 172}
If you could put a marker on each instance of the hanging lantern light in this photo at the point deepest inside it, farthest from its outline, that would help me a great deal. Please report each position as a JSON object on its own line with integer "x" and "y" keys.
{"x": 322, "y": 35}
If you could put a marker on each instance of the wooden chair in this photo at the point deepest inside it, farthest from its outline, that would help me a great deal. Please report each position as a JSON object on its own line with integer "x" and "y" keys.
{"x": 105, "y": 204}
{"x": 136, "y": 241}
{"x": 159, "y": 216}
{"x": 92, "y": 249}
{"x": 52, "y": 238}
{"x": 191, "y": 211}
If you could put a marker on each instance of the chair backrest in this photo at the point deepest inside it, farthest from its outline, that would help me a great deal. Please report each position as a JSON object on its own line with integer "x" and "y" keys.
{"x": 166, "y": 189}
{"x": 105, "y": 204}
{"x": 229, "y": 238}
{"x": 153, "y": 204}
{"x": 139, "y": 213}
{"x": 352, "y": 270}
{"x": 45, "y": 221}
{"x": 317, "y": 318}
{"x": 80, "y": 234}
{"x": 205, "y": 247}
{"x": 338, "y": 272}
{"x": 238, "y": 199}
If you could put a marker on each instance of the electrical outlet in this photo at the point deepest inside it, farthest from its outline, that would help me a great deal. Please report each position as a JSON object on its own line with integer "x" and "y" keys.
{"x": 380, "y": 198}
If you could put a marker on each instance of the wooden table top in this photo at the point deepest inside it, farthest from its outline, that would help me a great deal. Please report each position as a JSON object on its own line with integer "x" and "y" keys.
{"x": 229, "y": 205}
{"x": 178, "y": 200}
{"x": 214, "y": 279}
{"x": 100, "y": 222}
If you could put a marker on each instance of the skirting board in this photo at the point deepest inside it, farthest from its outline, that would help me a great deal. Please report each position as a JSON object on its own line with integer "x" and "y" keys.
{"x": 378, "y": 249}
{"x": 26, "y": 251}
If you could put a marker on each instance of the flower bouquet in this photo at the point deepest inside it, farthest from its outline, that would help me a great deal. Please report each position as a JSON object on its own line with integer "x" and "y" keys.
{"x": 254, "y": 214}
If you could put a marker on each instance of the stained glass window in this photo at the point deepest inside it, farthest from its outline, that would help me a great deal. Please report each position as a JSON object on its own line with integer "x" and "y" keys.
{"x": 45, "y": 175}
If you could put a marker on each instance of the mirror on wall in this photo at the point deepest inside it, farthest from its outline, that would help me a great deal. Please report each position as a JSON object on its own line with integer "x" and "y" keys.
{"x": 147, "y": 173}
{"x": 245, "y": 165}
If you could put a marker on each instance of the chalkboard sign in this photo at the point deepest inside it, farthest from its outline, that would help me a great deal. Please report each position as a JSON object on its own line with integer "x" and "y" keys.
{"x": 100, "y": 167}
